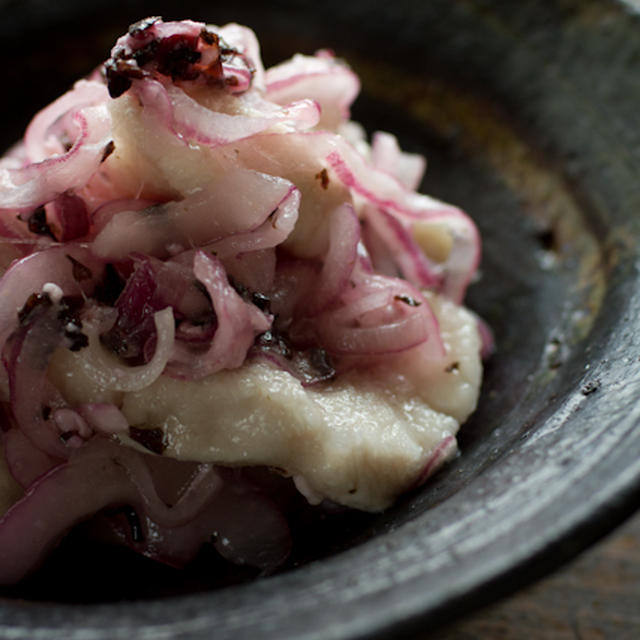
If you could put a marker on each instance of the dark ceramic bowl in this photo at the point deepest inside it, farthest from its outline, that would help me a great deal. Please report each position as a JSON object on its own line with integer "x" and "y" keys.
{"x": 529, "y": 119}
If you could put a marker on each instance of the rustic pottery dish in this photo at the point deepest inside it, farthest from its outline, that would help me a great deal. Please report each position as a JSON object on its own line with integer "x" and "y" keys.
{"x": 528, "y": 117}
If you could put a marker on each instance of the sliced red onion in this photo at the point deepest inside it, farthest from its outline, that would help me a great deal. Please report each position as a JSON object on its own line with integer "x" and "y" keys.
{"x": 322, "y": 78}
{"x": 393, "y": 337}
{"x": 177, "y": 287}
{"x": 50, "y": 508}
{"x": 244, "y": 41}
{"x": 99, "y": 475}
{"x": 146, "y": 231}
{"x": 134, "y": 327}
{"x": 41, "y": 182}
{"x": 374, "y": 296}
{"x": 244, "y": 524}
{"x": 193, "y": 122}
{"x": 379, "y": 315}
{"x": 72, "y": 268}
{"x": 38, "y": 144}
{"x": 344, "y": 235}
{"x": 404, "y": 252}
{"x": 105, "y": 370}
{"x": 402, "y": 211}
{"x": 380, "y": 254}
{"x": 69, "y": 217}
{"x": 387, "y": 156}
{"x": 363, "y": 261}
{"x": 272, "y": 232}
{"x": 152, "y": 286}
{"x": 237, "y": 77}
{"x": 464, "y": 258}
{"x": 235, "y": 201}
{"x": 255, "y": 269}
{"x": 238, "y": 324}
{"x": 294, "y": 285}
{"x": 380, "y": 188}
{"x": 188, "y": 500}
{"x": 173, "y": 546}
{"x": 26, "y": 462}
{"x": 407, "y": 209}
{"x": 26, "y": 357}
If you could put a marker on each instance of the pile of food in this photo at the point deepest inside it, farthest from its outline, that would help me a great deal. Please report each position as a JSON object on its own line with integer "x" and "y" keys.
{"x": 208, "y": 271}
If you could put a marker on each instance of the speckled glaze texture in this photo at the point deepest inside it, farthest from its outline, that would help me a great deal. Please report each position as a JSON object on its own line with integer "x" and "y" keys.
{"x": 529, "y": 120}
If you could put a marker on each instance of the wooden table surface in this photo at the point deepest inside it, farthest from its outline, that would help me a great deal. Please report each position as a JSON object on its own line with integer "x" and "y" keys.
{"x": 596, "y": 597}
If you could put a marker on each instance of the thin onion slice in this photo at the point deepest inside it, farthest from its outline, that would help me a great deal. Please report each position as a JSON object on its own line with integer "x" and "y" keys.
{"x": 245, "y": 526}
{"x": 100, "y": 475}
{"x": 378, "y": 315}
{"x": 239, "y": 201}
{"x": 41, "y": 182}
{"x": 405, "y": 253}
{"x": 191, "y": 121}
{"x": 38, "y": 145}
{"x": 272, "y": 232}
{"x": 106, "y": 371}
{"x": 393, "y": 337}
{"x": 321, "y": 77}
{"x": 71, "y": 267}
{"x": 26, "y": 462}
{"x": 386, "y": 155}
{"x": 239, "y": 323}
{"x": 344, "y": 235}
{"x": 26, "y": 357}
